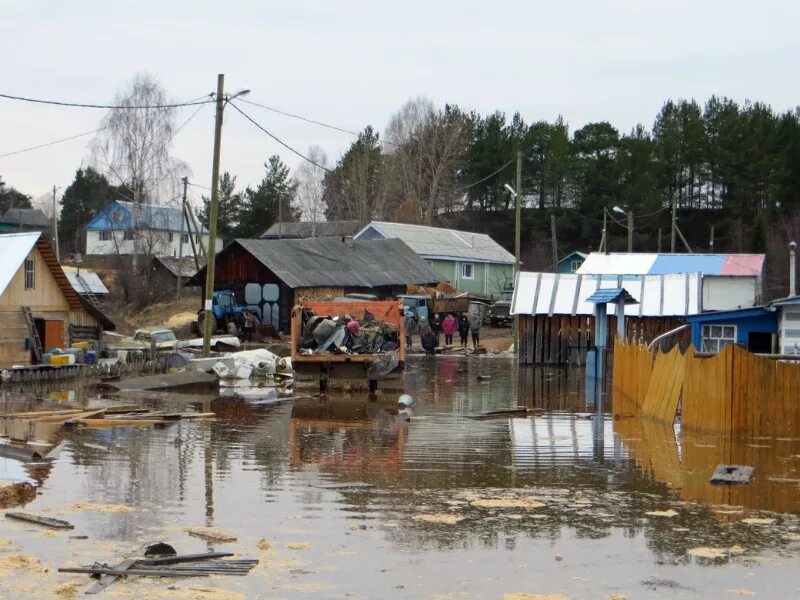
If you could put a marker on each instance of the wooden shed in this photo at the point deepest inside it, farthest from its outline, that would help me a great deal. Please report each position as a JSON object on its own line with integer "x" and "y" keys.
{"x": 32, "y": 284}
{"x": 270, "y": 276}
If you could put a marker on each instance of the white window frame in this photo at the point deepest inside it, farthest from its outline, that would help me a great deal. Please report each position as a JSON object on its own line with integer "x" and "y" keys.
{"x": 30, "y": 273}
{"x": 104, "y": 235}
{"x": 715, "y": 336}
{"x": 128, "y": 235}
{"x": 464, "y": 270}
{"x": 575, "y": 264}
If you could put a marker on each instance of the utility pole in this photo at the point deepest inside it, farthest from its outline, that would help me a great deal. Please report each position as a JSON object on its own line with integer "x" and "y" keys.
{"x": 280, "y": 217}
{"x": 674, "y": 226}
{"x": 55, "y": 226}
{"x": 659, "y": 240}
{"x": 711, "y": 243}
{"x": 553, "y": 242}
{"x": 603, "y": 241}
{"x": 185, "y": 181}
{"x": 517, "y": 248}
{"x": 212, "y": 217}
{"x": 630, "y": 231}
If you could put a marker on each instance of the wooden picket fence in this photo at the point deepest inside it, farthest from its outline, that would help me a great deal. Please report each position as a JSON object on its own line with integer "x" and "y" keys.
{"x": 732, "y": 391}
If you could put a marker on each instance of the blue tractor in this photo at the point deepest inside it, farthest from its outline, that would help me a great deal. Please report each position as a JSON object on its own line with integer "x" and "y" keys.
{"x": 225, "y": 309}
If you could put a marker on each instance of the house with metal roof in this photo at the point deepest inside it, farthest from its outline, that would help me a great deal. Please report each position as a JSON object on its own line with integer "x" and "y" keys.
{"x": 728, "y": 281}
{"x": 156, "y": 231}
{"x": 471, "y": 262}
{"x": 307, "y": 229}
{"x": 271, "y": 276}
{"x": 25, "y": 219}
{"x": 571, "y": 262}
{"x": 37, "y": 301}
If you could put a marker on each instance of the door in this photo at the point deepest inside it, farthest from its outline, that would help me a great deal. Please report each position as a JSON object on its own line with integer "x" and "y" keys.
{"x": 53, "y": 334}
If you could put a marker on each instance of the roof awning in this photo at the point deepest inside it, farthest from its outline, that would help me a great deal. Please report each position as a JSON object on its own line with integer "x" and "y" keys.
{"x": 612, "y": 296}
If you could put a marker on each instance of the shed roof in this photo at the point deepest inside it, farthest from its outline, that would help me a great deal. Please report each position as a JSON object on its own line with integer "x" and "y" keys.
{"x": 614, "y": 295}
{"x": 183, "y": 267}
{"x": 728, "y": 315}
{"x": 32, "y": 217}
{"x": 305, "y": 229}
{"x": 85, "y": 281}
{"x": 568, "y": 293}
{"x": 330, "y": 262}
{"x": 643, "y": 263}
{"x": 437, "y": 242}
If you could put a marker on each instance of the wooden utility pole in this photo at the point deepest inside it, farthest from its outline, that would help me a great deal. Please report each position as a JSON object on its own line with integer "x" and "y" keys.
{"x": 517, "y": 249}
{"x": 212, "y": 217}
{"x": 659, "y": 241}
{"x": 711, "y": 242}
{"x": 603, "y": 241}
{"x": 55, "y": 226}
{"x": 554, "y": 242}
{"x": 674, "y": 225}
{"x": 185, "y": 181}
{"x": 630, "y": 231}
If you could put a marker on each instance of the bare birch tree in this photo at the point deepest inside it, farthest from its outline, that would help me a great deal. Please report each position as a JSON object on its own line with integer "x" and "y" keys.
{"x": 425, "y": 151}
{"x": 310, "y": 191}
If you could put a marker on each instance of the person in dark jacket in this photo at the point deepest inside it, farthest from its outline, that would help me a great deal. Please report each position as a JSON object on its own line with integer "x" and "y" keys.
{"x": 463, "y": 330}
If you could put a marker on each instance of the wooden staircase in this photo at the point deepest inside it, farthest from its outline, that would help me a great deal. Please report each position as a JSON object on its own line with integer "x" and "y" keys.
{"x": 33, "y": 334}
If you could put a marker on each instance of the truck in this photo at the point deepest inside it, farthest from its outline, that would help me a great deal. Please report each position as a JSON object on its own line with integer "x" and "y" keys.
{"x": 224, "y": 308}
{"x": 427, "y": 306}
{"x": 500, "y": 311}
{"x": 334, "y": 368}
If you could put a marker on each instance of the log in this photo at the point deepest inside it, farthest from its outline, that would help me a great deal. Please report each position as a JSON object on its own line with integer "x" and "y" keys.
{"x": 46, "y": 521}
{"x": 100, "y": 423}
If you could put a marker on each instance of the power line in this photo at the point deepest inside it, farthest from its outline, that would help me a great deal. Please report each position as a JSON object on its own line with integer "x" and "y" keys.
{"x": 281, "y": 142}
{"x": 489, "y": 176}
{"x": 313, "y": 121}
{"x": 208, "y": 100}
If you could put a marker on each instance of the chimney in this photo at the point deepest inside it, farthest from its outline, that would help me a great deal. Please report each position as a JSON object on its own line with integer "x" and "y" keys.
{"x": 792, "y": 268}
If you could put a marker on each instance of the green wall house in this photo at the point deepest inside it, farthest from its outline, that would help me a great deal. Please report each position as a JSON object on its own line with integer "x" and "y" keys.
{"x": 471, "y": 262}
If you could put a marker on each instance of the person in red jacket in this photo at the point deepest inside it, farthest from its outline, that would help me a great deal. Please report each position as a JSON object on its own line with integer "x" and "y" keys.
{"x": 449, "y": 328}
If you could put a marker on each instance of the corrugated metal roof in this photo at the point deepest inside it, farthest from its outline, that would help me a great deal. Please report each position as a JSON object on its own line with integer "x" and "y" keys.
{"x": 85, "y": 281}
{"x": 568, "y": 294}
{"x": 33, "y": 217}
{"x": 304, "y": 229}
{"x": 329, "y": 262}
{"x": 119, "y": 216}
{"x": 643, "y": 263}
{"x": 437, "y": 242}
{"x": 14, "y": 247}
{"x": 185, "y": 267}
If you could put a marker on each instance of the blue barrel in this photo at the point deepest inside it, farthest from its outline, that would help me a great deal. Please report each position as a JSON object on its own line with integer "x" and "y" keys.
{"x": 91, "y": 357}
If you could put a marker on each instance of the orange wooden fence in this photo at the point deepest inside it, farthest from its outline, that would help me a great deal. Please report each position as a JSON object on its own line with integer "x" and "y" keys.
{"x": 732, "y": 391}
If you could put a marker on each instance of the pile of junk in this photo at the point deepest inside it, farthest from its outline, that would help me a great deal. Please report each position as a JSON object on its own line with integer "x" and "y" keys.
{"x": 344, "y": 334}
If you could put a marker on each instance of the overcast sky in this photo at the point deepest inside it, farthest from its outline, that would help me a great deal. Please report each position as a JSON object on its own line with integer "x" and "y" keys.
{"x": 354, "y": 63}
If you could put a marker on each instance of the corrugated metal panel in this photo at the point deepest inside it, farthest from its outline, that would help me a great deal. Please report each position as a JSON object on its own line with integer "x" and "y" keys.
{"x": 438, "y": 242}
{"x": 658, "y": 295}
{"x": 14, "y": 247}
{"x": 598, "y": 263}
{"x": 88, "y": 283}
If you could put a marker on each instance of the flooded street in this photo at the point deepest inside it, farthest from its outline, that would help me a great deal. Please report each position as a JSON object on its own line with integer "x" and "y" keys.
{"x": 341, "y": 497}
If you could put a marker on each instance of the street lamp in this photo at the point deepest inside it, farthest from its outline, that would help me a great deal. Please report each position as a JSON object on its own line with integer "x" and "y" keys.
{"x": 511, "y": 191}
{"x": 222, "y": 100}
{"x": 628, "y": 214}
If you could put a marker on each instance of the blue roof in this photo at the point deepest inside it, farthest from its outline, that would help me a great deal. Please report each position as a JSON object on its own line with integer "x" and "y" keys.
{"x": 119, "y": 216}
{"x": 787, "y": 300}
{"x": 728, "y": 315}
{"x": 609, "y": 295}
{"x": 709, "y": 264}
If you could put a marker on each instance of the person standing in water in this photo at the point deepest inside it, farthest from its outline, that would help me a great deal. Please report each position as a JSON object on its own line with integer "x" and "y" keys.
{"x": 475, "y": 328}
{"x": 463, "y": 330}
{"x": 449, "y": 327}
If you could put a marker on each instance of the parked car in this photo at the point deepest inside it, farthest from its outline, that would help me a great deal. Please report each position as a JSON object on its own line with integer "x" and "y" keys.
{"x": 148, "y": 338}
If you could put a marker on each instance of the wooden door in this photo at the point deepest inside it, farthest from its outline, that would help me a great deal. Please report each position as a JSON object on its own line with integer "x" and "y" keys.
{"x": 53, "y": 334}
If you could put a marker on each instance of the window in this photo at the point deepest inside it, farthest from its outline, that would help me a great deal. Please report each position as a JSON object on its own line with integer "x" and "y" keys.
{"x": 574, "y": 265}
{"x": 715, "y": 337}
{"x": 30, "y": 274}
{"x": 104, "y": 235}
{"x": 185, "y": 238}
{"x": 170, "y": 237}
{"x": 128, "y": 235}
{"x": 467, "y": 271}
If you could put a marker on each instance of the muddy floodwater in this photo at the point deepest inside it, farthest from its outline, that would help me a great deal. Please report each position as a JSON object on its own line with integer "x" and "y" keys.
{"x": 341, "y": 497}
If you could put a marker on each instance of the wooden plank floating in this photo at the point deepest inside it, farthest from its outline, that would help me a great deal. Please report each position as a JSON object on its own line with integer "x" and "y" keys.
{"x": 107, "y": 580}
{"x": 39, "y": 520}
{"x": 180, "y": 381}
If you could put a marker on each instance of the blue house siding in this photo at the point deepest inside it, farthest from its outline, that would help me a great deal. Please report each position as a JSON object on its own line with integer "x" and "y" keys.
{"x": 746, "y": 321}
{"x": 565, "y": 264}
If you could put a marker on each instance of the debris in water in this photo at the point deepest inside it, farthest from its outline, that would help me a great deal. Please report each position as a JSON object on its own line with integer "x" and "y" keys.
{"x": 523, "y": 596}
{"x": 66, "y": 590}
{"x": 741, "y": 592}
{"x": 755, "y": 521}
{"x": 299, "y": 545}
{"x": 438, "y": 518}
{"x": 45, "y": 521}
{"x": 405, "y": 400}
{"x": 263, "y": 545}
{"x": 731, "y": 474}
{"x": 705, "y": 552}
{"x": 484, "y": 377}
{"x": 210, "y": 534}
{"x": 558, "y": 558}
{"x": 662, "y": 513}
{"x": 506, "y": 503}
{"x": 94, "y": 507}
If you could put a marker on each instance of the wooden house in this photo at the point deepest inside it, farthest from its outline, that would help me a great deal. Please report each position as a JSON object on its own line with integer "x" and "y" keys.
{"x": 270, "y": 276}
{"x": 32, "y": 282}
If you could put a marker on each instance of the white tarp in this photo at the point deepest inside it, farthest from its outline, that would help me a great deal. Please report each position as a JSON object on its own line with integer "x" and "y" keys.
{"x": 566, "y": 294}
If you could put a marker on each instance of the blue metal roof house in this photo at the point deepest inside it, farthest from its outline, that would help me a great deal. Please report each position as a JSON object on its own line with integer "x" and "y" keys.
{"x": 157, "y": 231}
{"x": 571, "y": 262}
{"x": 755, "y": 329}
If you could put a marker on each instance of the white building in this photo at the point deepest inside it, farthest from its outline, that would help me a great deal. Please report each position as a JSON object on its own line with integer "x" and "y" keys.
{"x": 158, "y": 231}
